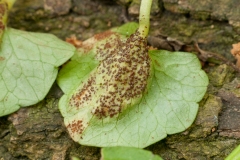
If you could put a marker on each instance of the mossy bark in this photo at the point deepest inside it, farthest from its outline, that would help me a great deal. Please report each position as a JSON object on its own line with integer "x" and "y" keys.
{"x": 37, "y": 132}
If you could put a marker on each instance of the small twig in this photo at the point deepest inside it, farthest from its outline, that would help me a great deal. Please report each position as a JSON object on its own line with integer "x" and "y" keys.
{"x": 205, "y": 55}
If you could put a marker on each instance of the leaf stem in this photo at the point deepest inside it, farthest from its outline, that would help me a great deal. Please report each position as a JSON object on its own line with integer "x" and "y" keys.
{"x": 10, "y": 3}
{"x": 144, "y": 17}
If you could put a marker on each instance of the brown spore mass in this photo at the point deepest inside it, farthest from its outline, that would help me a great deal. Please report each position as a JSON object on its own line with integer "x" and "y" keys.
{"x": 76, "y": 126}
{"x": 2, "y": 58}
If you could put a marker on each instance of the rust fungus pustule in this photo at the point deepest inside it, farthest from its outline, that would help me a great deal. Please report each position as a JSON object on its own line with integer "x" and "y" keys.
{"x": 119, "y": 80}
{"x": 76, "y": 126}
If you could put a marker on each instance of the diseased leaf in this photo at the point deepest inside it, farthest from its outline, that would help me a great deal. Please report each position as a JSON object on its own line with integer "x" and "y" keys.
{"x": 84, "y": 60}
{"x": 168, "y": 105}
{"x": 28, "y": 67}
{"x": 127, "y": 153}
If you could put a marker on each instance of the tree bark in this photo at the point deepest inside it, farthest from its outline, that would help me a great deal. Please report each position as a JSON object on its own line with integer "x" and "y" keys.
{"x": 37, "y": 132}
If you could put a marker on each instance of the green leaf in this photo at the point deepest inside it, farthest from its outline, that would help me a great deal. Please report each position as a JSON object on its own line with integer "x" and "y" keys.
{"x": 178, "y": 84}
{"x": 28, "y": 67}
{"x": 127, "y": 153}
{"x": 235, "y": 155}
{"x": 126, "y": 29}
{"x": 168, "y": 106}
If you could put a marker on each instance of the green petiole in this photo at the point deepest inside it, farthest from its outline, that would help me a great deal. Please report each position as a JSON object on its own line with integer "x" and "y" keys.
{"x": 144, "y": 17}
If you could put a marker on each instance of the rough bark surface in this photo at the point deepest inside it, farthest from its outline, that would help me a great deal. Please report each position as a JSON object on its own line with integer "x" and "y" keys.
{"x": 37, "y": 132}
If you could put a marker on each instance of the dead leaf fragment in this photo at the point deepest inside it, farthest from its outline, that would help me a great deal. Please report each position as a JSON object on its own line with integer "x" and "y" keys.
{"x": 236, "y": 53}
{"x": 74, "y": 41}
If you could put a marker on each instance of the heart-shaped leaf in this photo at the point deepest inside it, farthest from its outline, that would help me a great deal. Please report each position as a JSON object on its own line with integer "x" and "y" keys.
{"x": 127, "y": 153}
{"x": 28, "y": 67}
{"x": 169, "y": 105}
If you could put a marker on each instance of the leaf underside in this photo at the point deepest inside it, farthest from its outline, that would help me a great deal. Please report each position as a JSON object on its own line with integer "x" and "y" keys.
{"x": 28, "y": 67}
{"x": 169, "y": 105}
